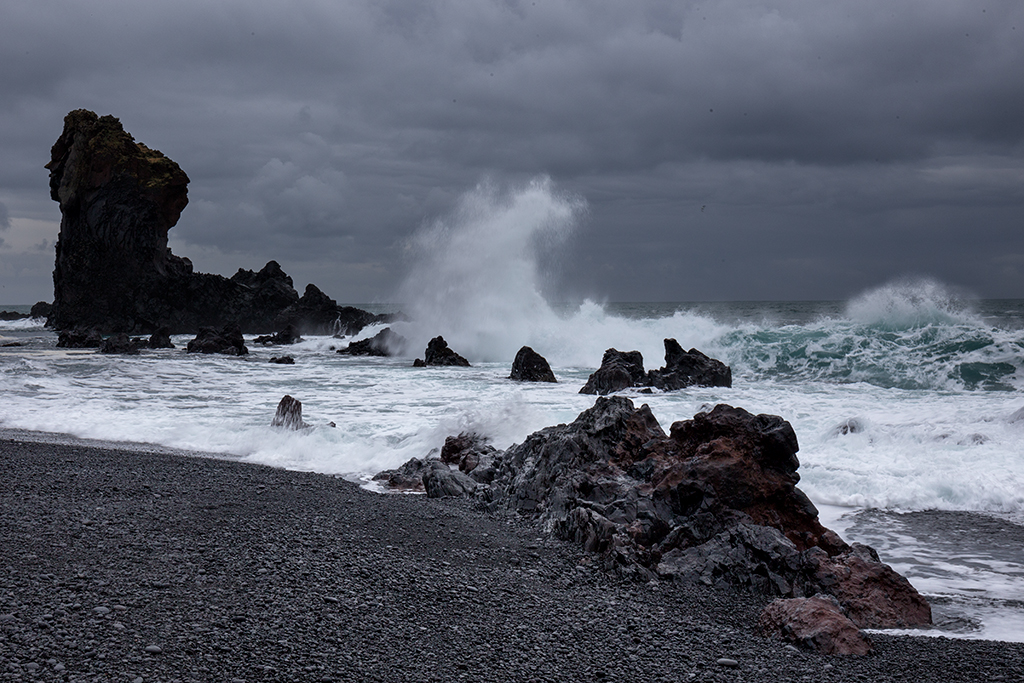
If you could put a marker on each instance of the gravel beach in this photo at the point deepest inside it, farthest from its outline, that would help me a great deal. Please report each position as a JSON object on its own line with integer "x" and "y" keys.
{"x": 128, "y": 565}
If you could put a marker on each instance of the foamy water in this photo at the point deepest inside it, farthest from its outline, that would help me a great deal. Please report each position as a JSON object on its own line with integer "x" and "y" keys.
{"x": 907, "y": 398}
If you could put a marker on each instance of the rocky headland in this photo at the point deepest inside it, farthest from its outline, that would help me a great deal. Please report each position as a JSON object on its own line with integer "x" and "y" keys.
{"x": 114, "y": 271}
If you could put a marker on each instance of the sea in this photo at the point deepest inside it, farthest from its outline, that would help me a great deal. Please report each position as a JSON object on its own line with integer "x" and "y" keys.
{"x": 907, "y": 400}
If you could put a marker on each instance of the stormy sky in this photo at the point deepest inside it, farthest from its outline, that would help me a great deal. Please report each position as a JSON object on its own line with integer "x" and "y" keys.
{"x": 734, "y": 150}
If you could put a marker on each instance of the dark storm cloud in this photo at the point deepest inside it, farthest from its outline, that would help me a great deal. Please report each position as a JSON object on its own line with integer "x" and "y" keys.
{"x": 826, "y": 141}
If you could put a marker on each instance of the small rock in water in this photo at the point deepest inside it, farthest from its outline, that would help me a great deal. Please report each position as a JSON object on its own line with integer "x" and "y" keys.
{"x": 289, "y": 414}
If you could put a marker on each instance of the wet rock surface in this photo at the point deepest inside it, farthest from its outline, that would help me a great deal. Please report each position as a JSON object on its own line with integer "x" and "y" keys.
{"x": 228, "y": 341}
{"x": 530, "y": 366}
{"x": 438, "y": 354}
{"x": 622, "y": 370}
{"x": 384, "y": 343}
{"x": 289, "y": 414}
{"x": 237, "y": 571}
{"x": 713, "y": 503}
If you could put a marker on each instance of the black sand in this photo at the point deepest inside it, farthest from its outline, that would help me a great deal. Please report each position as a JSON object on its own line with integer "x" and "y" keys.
{"x": 240, "y": 572}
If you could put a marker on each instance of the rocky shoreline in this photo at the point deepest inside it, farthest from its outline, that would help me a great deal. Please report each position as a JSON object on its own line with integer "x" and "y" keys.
{"x": 144, "y": 566}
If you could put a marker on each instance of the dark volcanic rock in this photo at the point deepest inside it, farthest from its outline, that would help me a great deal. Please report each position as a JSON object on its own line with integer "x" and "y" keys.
{"x": 286, "y": 336}
{"x": 79, "y": 339}
{"x": 41, "y": 309}
{"x": 161, "y": 339}
{"x": 114, "y": 271}
{"x": 283, "y": 360}
{"x": 530, "y": 366}
{"x": 227, "y": 341}
{"x": 120, "y": 343}
{"x": 625, "y": 369}
{"x": 619, "y": 370}
{"x": 289, "y": 414}
{"x": 472, "y": 454}
{"x": 714, "y": 502}
{"x": 407, "y": 478}
{"x": 438, "y": 353}
{"x": 13, "y": 315}
{"x": 688, "y": 368}
{"x": 817, "y": 624}
{"x": 317, "y": 313}
{"x": 384, "y": 343}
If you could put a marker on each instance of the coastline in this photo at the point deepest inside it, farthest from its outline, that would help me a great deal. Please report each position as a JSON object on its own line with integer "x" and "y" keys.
{"x": 247, "y": 572}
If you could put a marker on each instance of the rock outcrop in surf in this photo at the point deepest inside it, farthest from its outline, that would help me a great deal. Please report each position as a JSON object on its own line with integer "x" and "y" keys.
{"x": 530, "y": 366}
{"x": 713, "y": 502}
{"x": 625, "y": 369}
{"x": 114, "y": 271}
{"x": 439, "y": 354}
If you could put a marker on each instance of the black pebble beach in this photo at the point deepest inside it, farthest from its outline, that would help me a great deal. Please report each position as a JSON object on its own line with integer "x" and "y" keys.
{"x": 121, "y": 565}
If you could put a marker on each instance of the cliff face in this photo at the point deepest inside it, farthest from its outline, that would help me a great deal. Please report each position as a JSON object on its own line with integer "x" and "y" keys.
{"x": 114, "y": 272}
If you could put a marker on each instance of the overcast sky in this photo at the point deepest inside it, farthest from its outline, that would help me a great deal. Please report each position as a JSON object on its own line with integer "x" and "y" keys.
{"x": 737, "y": 150}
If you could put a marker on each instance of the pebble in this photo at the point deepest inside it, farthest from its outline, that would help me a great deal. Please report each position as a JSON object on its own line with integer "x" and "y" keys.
{"x": 725, "y": 661}
{"x": 154, "y": 649}
{"x": 101, "y": 610}
{"x": 138, "y": 679}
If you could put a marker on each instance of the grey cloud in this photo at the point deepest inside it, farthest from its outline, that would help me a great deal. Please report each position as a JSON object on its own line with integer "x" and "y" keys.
{"x": 322, "y": 135}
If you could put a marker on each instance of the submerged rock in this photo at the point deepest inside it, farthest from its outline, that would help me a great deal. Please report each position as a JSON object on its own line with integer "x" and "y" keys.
{"x": 530, "y": 366}
{"x": 438, "y": 353}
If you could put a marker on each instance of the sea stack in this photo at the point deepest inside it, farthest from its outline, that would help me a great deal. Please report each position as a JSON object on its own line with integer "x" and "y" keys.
{"x": 114, "y": 272}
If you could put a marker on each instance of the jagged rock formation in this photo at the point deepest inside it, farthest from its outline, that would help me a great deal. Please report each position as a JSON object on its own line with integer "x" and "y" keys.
{"x": 228, "y": 341}
{"x": 438, "y": 353}
{"x": 289, "y": 414}
{"x": 114, "y": 272}
{"x": 625, "y": 369}
{"x": 713, "y": 502}
{"x": 384, "y": 343}
{"x": 530, "y": 366}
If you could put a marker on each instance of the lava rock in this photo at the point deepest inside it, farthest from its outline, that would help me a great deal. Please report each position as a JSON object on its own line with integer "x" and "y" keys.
{"x": 161, "y": 339}
{"x": 688, "y": 368}
{"x": 286, "y": 336}
{"x": 114, "y": 271}
{"x": 530, "y": 366}
{"x": 438, "y": 353}
{"x": 384, "y": 343}
{"x": 283, "y": 360}
{"x": 714, "y": 502}
{"x": 289, "y": 414}
{"x": 79, "y": 339}
{"x": 817, "y": 624}
{"x": 228, "y": 341}
{"x": 619, "y": 370}
{"x": 120, "y": 343}
{"x": 472, "y": 454}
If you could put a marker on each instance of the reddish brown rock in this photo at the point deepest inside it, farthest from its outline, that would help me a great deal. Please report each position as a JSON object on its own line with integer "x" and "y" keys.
{"x": 871, "y": 593}
{"x": 816, "y": 624}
